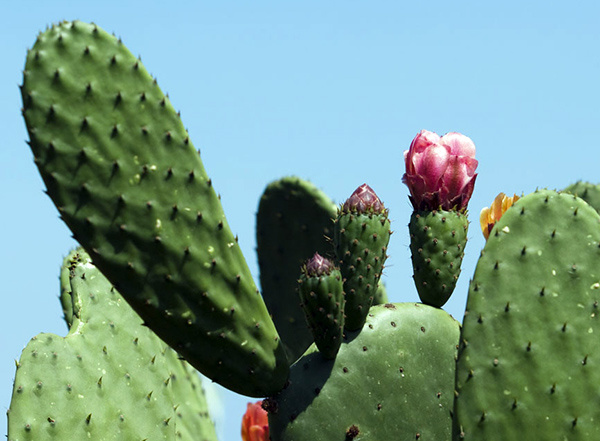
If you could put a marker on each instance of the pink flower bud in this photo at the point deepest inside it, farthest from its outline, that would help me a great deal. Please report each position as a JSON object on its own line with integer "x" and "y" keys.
{"x": 255, "y": 423}
{"x": 363, "y": 200}
{"x": 440, "y": 172}
{"x": 318, "y": 265}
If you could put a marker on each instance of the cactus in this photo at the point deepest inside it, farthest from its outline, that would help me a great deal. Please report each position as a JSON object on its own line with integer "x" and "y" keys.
{"x": 109, "y": 378}
{"x": 361, "y": 236}
{"x": 322, "y": 295}
{"x": 528, "y": 345}
{"x": 126, "y": 179}
{"x": 294, "y": 221}
{"x": 404, "y": 350}
{"x": 586, "y": 191}
{"x": 437, "y": 244}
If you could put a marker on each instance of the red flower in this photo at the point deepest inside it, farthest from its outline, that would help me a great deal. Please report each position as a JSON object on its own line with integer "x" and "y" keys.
{"x": 255, "y": 423}
{"x": 440, "y": 172}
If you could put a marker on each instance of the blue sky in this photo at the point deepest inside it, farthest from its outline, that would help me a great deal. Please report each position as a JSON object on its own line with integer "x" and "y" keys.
{"x": 330, "y": 91}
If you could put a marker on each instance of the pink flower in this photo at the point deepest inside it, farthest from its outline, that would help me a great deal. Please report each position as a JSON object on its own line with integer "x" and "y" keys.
{"x": 440, "y": 172}
{"x": 255, "y": 423}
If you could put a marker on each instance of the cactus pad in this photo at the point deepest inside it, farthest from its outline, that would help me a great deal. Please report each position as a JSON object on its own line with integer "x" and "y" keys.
{"x": 394, "y": 380}
{"x": 126, "y": 179}
{"x": 361, "y": 236}
{"x": 529, "y": 354}
{"x": 586, "y": 191}
{"x": 322, "y": 293}
{"x": 293, "y": 222}
{"x": 110, "y": 378}
{"x": 437, "y": 244}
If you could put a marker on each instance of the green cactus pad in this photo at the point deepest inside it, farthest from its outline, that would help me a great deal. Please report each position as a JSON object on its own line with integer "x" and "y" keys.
{"x": 529, "y": 355}
{"x": 586, "y": 191}
{"x": 323, "y": 303}
{"x": 437, "y": 244}
{"x": 294, "y": 221}
{"x": 122, "y": 171}
{"x": 394, "y": 380}
{"x": 381, "y": 296}
{"x": 361, "y": 242}
{"x": 110, "y": 378}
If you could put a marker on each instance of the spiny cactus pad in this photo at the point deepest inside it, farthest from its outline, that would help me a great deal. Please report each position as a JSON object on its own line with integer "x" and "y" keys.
{"x": 110, "y": 378}
{"x": 122, "y": 171}
{"x": 294, "y": 221}
{"x": 361, "y": 236}
{"x": 529, "y": 354}
{"x": 437, "y": 244}
{"x": 587, "y": 191}
{"x": 394, "y": 380}
{"x": 322, "y": 293}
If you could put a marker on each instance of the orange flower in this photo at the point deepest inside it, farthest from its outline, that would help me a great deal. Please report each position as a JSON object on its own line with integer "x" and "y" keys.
{"x": 255, "y": 423}
{"x": 490, "y": 215}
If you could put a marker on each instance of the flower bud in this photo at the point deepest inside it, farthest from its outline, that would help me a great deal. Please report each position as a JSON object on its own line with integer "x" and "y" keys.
{"x": 318, "y": 265}
{"x": 440, "y": 171}
{"x": 255, "y": 423}
{"x": 490, "y": 215}
{"x": 363, "y": 200}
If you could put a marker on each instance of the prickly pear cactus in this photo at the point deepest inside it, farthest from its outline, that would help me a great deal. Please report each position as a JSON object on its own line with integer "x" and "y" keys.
{"x": 586, "y": 191}
{"x": 294, "y": 221}
{"x": 527, "y": 365}
{"x": 437, "y": 245}
{"x": 126, "y": 179}
{"x": 361, "y": 236}
{"x": 394, "y": 380}
{"x": 322, "y": 293}
{"x": 110, "y": 378}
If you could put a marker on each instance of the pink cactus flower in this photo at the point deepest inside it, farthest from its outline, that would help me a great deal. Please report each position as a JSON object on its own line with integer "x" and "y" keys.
{"x": 440, "y": 171}
{"x": 255, "y": 423}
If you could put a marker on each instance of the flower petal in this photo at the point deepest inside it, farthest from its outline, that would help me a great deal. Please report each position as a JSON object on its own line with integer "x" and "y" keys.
{"x": 459, "y": 144}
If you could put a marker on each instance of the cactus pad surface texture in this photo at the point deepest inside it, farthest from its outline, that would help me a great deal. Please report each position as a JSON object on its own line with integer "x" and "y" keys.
{"x": 125, "y": 177}
{"x": 110, "y": 378}
{"x": 529, "y": 354}
{"x": 393, "y": 380}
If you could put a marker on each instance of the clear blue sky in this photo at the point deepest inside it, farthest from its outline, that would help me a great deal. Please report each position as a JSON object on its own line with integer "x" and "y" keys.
{"x": 330, "y": 91}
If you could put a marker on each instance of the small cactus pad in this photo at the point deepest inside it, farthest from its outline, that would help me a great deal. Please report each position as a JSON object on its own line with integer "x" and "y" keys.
{"x": 586, "y": 191}
{"x": 381, "y": 296}
{"x": 361, "y": 236}
{"x": 293, "y": 221}
{"x": 322, "y": 295}
{"x": 126, "y": 179}
{"x": 528, "y": 361}
{"x": 437, "y": 244}
{"x": 110, "y": 378}
{"x": 394, "y": 380}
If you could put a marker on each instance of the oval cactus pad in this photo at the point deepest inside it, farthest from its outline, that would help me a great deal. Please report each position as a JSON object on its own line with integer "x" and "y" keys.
{"x": 529, "y": 355}
{"x": 126, "y": 179}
